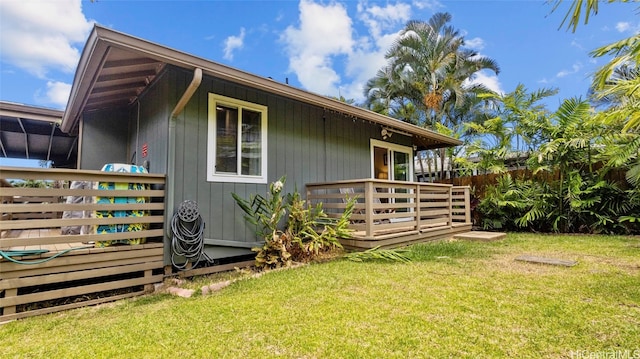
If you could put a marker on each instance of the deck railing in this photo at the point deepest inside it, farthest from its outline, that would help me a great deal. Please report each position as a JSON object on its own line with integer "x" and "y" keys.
{"x": 386, "y": 207}
{"x": 33, "y": 209}
{"x": 63, "y": 249}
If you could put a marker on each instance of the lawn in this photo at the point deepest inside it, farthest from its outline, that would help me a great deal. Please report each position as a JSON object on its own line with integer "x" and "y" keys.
{"x": 457, "y": 299}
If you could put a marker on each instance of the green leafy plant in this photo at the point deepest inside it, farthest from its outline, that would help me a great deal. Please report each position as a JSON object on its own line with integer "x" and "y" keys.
{"x": 505, "y": 202}
{"x": 307, "y": 232}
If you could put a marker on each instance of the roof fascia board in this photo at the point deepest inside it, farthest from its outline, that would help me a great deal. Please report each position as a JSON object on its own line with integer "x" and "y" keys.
{"x": 30, "y": 116}
{"x": 82, "y": 82}
{"x": 107, "y": 37}
{"x": 16, "y": 110}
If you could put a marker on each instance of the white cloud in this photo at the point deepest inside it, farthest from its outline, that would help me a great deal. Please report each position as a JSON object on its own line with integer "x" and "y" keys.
{"x": 39, "y": 36}
{"x": 324, "y": 32}
{"x": 576, "y": 44}
{"x": 233, "y": 43}
{"x": 574, "y": 69}
{"x": 427, "y": 4}
{"x": 628, "y": 27}
{"x": 623, "y": 26}
{"x": 325, "y": 40}
{"x": 489, "y": 80}
{"x": 475, "y": 44}
{"x": 379, "y": 18}
{"x": 58, "y": 93}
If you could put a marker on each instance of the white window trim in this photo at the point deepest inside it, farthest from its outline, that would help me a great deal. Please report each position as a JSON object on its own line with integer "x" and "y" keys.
{"x": 393, "y": 147}
{"x": 212, "y": 176}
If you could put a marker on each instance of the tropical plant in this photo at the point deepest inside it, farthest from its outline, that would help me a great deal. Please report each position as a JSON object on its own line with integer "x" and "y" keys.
{"x": 616, "y": 87}
{"x": 572, "y": 151}
{"x": 30, "y": 183}
{"x": 512, "y": 204}
{"x": 265, "y": 213}
{"x": 429, "y": 67}
{"x": 577, "y": 8}
{"x": 307, "y": 232}
{"x": 512, "y": 126}
{"x": 617, "y": 82}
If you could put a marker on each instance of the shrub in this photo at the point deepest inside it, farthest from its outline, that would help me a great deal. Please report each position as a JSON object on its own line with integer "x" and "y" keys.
{"x": 306, "y": 234}
{"x": 579, "y": 204}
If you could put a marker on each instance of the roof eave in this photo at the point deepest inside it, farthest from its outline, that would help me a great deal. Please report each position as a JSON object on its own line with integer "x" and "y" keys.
{"x": 102, "y": 38}
{"x": 18, "y": 110}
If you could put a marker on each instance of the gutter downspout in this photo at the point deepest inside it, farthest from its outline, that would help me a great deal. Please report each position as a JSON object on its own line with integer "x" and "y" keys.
{"x": 171, "y": 159}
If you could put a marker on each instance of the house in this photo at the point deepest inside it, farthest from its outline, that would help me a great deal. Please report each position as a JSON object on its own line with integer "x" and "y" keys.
{"x": 203, "y": 131}
{"x": 214, "y": 130}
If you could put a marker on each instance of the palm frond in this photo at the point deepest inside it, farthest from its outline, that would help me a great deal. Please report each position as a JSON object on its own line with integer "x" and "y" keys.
{"x": 377, "y": 253}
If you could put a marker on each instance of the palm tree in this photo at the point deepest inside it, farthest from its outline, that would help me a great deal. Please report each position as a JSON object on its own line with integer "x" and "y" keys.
{"x": 387, "y": 91}
{"x": 615, "y": 85}
{"x": 621, "y": 102}
{"x": 429, "y": 66}
{"x": 576, "y": 9}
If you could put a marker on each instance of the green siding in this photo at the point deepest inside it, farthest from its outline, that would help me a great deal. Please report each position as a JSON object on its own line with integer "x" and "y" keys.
{"x": 149, "y": 125}
{"x": 306, "y": 143}
{"x": 104, "y": 139}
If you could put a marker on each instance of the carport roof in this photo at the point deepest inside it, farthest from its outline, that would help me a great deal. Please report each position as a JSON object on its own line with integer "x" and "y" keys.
{"x": 28, "y": 132}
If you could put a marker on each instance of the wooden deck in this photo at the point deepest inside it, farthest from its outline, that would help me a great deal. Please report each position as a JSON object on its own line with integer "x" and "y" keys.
{"x": 391, "y": 213}
{"x": 72, "y": 271}
{"x": 39, "y": 233}
{"x": 75, "y": 274}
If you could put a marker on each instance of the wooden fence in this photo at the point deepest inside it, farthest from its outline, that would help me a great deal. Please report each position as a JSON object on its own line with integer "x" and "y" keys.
{"x": 110, "y": 253}
{"x": 479, "y": 183}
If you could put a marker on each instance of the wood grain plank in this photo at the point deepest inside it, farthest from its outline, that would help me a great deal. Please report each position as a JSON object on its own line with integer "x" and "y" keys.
{"x": 69, "y": 292}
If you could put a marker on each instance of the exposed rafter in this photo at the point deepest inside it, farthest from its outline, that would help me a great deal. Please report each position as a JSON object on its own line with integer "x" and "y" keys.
{"x": 26, "y": 138}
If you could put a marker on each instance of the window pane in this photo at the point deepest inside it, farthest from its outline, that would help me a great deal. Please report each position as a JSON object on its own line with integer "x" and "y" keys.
{"x": 226, "y": 140}
{"x": 251, "y": 143}
{"x": 400, "y": 166}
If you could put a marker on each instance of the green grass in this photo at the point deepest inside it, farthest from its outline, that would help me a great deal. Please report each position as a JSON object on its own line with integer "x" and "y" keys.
{"x": 457, "y": 299}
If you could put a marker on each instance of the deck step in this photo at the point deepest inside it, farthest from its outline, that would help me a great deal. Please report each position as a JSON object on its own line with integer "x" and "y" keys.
{"x": 480, "y": 236}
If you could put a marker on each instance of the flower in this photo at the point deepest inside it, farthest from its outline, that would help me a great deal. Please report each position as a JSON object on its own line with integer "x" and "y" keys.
{"x": 277, "y": 186}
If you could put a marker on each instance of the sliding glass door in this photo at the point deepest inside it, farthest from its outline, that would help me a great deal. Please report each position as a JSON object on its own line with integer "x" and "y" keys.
{"x": 391, "y": 161}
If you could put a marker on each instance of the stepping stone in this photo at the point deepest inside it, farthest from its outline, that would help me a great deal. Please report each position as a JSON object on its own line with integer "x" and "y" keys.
{"x": 208, "y": 289}
{"x": 545, "y": 260}
{"x": 480, "y": 236}
{"x": 184, "y": 293}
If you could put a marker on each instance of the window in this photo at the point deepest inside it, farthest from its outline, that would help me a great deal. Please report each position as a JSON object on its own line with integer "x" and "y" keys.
{"x": 391, "y": 161}
{"x": 237, "y": 141}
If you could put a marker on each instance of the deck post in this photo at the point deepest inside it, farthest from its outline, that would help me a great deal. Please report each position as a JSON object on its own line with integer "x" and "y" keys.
{"x": 10, "y": 293}
{"x": 368, "y": 210}
{"x": 148, "y": 288}
{"x": 467, "y": 205}
{"x": 450, "y": 204}
{"x": 418, "y": 205}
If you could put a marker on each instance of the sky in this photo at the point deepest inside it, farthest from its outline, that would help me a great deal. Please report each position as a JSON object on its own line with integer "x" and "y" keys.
{"x": 327, "y": 47}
